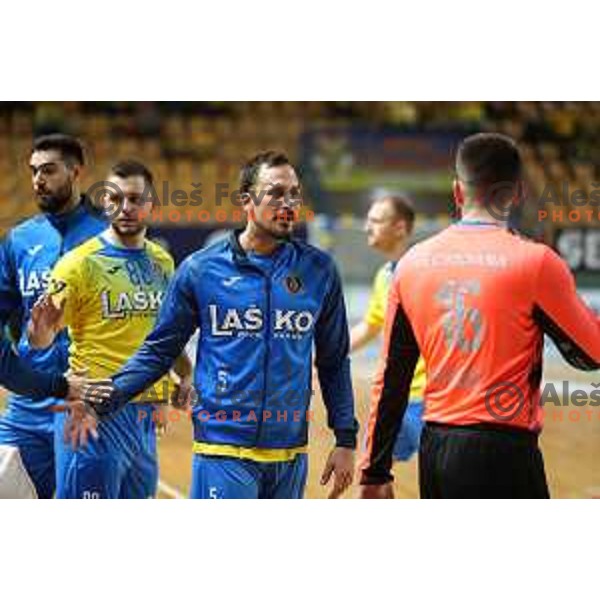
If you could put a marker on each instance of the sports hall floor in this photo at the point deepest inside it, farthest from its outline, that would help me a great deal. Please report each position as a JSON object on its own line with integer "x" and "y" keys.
{"x": 570, "y": 442}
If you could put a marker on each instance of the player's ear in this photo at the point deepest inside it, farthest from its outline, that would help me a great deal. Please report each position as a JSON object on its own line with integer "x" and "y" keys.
{"x": 521, "y": 192}
{"x": 458, "y": 193}
{"x": 401, "y": 227}
{"x": 156, "y": 205}
{"x": 107, "y": 204}
{"x": 76, "y": 170}
{"x": 245, "y": 201}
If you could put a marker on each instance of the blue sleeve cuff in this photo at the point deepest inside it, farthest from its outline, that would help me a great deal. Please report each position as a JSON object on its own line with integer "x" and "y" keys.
{"x": 30, "y": 353}
{"x": 346, "y": 438}
{"x": 60, "y": 387}
{"x": 114, "y": 404}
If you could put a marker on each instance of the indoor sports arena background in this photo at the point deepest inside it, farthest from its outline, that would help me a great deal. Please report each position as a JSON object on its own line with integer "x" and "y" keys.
{"x": 346, "y": 153}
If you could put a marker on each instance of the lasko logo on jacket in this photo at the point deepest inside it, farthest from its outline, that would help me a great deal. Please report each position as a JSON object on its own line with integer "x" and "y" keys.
{"x": 33, "y": 282}
{"x": 291, "y": 324}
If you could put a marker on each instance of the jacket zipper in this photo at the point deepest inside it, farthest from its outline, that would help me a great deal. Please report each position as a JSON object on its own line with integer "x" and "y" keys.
{"x": 267, "y": 354}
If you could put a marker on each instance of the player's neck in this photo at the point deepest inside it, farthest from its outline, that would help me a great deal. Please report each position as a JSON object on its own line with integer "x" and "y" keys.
{"x": 254, "y": 239}
{"x": 395, "y": 254}
{"x": 481, "y": 215}
{"x": 125, "y": 241}
{"x": 71, "y": 205}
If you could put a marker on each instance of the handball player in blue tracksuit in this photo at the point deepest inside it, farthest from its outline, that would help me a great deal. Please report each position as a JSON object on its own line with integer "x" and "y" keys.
{"x": 262, "y": 302}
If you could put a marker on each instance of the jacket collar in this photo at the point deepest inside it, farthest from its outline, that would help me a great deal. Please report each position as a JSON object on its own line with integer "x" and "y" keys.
{"x": 239, "y": 254}
{"x": 66, "y": 221}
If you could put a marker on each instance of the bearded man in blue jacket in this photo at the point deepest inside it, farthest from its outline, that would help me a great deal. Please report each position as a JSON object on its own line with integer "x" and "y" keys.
{"x": 27, "y": 256}
{"x": 261, "y": 301}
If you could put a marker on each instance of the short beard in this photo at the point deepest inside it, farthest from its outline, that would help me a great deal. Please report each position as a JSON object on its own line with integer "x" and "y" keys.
{"x": 128, "y": 233}
{"x": 284, "y": 236}
{"x": 56, "y": 203}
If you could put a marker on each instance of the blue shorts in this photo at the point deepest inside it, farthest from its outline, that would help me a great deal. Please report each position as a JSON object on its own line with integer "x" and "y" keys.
{"x": 35, "y": 441}
{"x": 221, "y": 477}
{"x": 409, "y": 436}
{"x": 121, "y": 463}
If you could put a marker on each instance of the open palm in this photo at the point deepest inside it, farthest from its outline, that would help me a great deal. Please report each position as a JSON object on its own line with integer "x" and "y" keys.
{"x": 46, "y": 321}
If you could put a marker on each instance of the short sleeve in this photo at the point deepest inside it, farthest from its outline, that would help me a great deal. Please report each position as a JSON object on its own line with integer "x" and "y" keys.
{"x": 378, "y": 301}
{"x": 66, "y": 285}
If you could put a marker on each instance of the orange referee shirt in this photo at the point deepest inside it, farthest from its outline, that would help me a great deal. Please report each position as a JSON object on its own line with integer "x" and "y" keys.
{"x": 475, "y": 301}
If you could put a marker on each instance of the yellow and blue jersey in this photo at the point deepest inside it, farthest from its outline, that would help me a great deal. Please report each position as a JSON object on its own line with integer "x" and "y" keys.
{"x": 112, "y": 296}
{"x": 375, "y": 315}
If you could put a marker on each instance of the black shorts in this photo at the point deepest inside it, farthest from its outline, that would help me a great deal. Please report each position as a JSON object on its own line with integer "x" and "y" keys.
{"x": 480, "y": 461}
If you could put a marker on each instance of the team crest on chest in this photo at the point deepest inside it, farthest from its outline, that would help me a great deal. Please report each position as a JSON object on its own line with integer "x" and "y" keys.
{"x": 293, "y": 284}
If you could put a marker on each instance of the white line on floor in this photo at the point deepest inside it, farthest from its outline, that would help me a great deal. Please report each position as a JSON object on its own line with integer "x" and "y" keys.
{"x": 169, "y": 490}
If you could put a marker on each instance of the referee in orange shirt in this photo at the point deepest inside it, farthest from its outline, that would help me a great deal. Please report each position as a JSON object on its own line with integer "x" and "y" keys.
{"x": 476, "y": 301}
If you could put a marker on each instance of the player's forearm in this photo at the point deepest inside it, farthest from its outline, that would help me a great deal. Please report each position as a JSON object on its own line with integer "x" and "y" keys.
{"x": 4, "y": 317}
{"x": 378, "y": 459}
{"x": 40, "y": 339}
{"x": 152, "y": 361}
{"x": 32, "y": 355}
{"x": 391, "y": 391}
{"x": 332, "y": 343}
{"x": 563, "y": 315}
{"x": 141, "y": 371}
{"x": 10, "y": 300}
{"x": 577, "y": 347}
{"x": 18, "y": 377}
{"x": 338, "y": 397}
{"x": 361, "y": 334}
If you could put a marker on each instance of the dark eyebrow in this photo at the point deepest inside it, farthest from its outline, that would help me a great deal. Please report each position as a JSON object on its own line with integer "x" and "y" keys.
{"x": 280, "y": 186}
{"x": 34, "y": 168}
{"x": 120, "y": 194}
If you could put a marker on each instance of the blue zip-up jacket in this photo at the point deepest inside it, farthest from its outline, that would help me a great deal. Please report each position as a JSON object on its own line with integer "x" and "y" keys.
{"x": 254, "y": 357}
{"x": 28, "y": 254}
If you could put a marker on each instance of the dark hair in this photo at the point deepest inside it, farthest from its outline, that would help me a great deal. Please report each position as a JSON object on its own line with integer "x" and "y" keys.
{"x": 270, "y": 158}
{"x": 488, "y": 163}
{"x": 132, "y": 168}
{"x": 403, "y": 208}
{"x": 70, "y": 148}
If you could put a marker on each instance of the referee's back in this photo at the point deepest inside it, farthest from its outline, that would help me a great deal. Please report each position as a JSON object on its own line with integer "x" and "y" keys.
{"x": 475, "y": 302}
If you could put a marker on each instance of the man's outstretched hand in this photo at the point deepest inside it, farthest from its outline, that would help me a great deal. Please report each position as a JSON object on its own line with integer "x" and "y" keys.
{"x": 90, "y": 391}
{"x": 83, "y": 396}
{"x": 340, "y": 464}
{"x": 45, "y": 321}
{"x": 183, "y": 395}
{"x": 80, "y": 424}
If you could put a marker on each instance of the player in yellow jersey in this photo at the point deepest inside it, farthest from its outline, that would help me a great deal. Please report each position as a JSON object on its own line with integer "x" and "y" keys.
{"x": 108, "y": 292}
{"x": 390, "y": 223}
